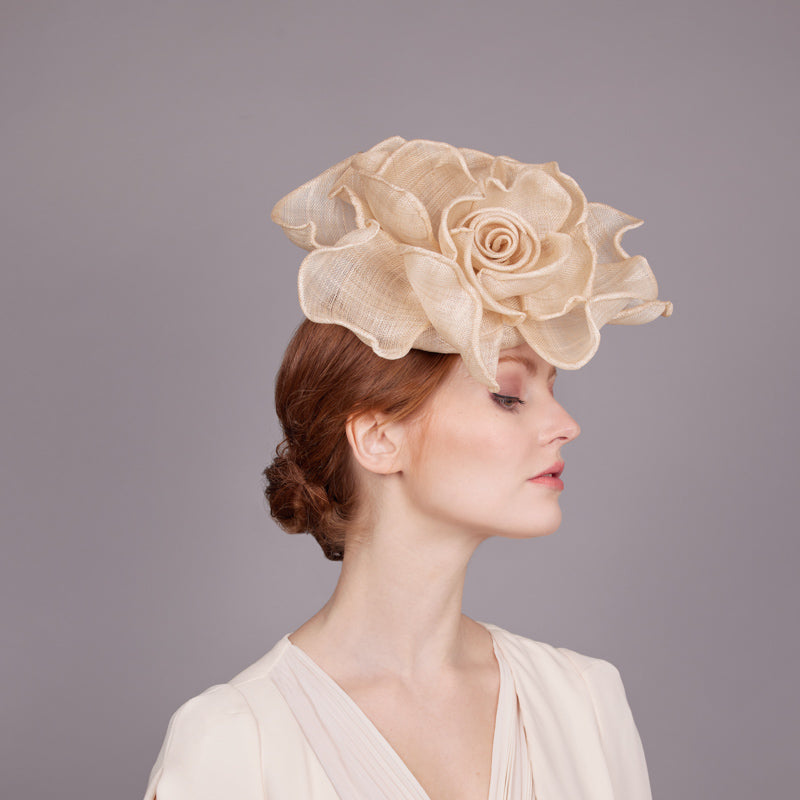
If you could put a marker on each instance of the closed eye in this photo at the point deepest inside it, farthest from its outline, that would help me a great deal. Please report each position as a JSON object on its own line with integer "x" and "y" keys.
{"x": 509, "y": 402}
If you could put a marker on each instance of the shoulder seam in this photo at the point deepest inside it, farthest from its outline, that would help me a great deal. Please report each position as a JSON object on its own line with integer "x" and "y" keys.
{"x": 258, "y": 734}
{"x": 564, "y": 651}
{"x": 170, "y": 733}
{"x": 591, "y": 699}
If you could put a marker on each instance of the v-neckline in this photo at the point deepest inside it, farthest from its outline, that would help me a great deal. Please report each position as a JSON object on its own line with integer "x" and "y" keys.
{"x": 357, "y": 713}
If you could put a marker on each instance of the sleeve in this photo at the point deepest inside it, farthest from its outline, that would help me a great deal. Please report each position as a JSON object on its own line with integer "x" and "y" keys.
{"x": 621, "y": 742}
{"x": 210, "y": 752}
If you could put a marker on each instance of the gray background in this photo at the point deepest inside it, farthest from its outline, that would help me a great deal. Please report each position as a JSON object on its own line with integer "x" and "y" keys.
{"x": 147, "y": 298}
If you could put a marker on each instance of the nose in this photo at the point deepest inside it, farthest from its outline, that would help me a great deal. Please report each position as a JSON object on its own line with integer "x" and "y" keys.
{"x": 560, "y": 425}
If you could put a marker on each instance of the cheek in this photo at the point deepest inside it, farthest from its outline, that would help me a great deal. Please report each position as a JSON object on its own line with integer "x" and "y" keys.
{"x": 461, "y": 451}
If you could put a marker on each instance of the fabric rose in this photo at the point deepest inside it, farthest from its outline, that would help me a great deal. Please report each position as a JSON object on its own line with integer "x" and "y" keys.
{"x": 421, "y": 244}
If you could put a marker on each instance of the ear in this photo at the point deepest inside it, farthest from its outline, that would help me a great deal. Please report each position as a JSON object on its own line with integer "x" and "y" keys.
{"x": 376, "y": 441}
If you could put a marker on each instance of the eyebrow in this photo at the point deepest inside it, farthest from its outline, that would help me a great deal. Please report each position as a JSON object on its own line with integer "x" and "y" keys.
{"x": 529, "y": 364}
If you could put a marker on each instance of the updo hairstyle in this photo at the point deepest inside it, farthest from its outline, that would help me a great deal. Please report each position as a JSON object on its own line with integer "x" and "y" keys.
{"x": 327, "y": 375}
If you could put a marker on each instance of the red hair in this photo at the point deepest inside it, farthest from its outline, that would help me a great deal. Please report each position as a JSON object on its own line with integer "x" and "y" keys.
{"x": 327, "y": 375}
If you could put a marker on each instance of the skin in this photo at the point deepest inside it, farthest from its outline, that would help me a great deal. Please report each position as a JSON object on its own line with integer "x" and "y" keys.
{"x": 393, "y": 635}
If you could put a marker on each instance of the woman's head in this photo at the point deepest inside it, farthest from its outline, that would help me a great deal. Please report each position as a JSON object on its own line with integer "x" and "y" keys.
{"x": 469, "y": 465}
{"x": 472, "y": 473}
{"x": 327, "y": 376}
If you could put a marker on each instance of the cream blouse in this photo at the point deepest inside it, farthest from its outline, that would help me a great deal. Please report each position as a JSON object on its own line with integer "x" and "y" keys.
{"x": 283, "y": 729}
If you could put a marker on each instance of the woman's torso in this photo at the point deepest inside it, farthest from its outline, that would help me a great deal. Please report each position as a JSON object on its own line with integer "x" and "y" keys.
{"x": 243, "y": 740}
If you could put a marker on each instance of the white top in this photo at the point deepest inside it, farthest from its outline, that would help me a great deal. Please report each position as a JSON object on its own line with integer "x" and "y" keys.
{"x": 253, "y": 738}
{"x": 357, "y": 758}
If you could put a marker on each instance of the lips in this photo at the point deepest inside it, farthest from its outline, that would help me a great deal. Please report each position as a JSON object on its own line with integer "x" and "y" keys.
{"x": 555, "y": 470}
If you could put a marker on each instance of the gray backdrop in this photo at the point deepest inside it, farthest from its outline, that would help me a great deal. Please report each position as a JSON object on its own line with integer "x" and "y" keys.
{"x": 147, "y": 298}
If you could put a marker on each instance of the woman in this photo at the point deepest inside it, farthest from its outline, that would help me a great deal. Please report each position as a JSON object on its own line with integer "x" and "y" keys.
{"x": 443, "y": 288}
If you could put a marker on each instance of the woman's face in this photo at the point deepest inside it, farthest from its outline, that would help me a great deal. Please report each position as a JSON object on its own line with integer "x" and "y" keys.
{"x": 478, "y": 452}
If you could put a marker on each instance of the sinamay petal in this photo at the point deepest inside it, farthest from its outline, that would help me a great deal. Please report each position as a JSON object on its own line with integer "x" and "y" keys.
{"x": 310, "y": 218}
{"x": 422, "y": 244}
{"x": 361, "y": 283}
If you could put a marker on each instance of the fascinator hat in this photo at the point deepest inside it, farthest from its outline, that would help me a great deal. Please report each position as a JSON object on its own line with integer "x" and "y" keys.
{"x": 419, "y": 244}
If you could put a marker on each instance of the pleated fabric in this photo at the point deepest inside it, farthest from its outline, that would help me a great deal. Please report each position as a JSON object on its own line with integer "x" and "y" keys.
{"x": 357, "y": 758}
{"x": 244, "y": 740}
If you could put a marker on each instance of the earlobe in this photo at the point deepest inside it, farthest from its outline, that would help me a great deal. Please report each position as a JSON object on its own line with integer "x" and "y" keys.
{"x": 375, "y": 442}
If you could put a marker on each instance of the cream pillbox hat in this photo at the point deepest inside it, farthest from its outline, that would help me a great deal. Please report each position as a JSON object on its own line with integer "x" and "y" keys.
{"x": 425, "y": 245}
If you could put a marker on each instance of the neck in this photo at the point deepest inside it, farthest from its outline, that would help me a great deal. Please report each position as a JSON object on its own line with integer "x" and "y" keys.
{"x": 397, "y": 605}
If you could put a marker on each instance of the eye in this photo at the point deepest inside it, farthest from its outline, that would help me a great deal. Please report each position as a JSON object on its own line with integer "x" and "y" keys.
{"x": 509, "y": 402}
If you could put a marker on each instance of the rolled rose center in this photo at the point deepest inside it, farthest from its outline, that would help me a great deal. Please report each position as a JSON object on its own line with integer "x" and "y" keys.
{"x": 503, "y": 240}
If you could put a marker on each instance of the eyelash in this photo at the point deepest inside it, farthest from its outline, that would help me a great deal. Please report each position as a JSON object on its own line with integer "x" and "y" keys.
{"x": 501, "y": 398}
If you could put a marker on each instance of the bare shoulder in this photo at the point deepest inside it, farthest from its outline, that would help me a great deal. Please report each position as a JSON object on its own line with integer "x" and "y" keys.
{"x": 478, "y": 641}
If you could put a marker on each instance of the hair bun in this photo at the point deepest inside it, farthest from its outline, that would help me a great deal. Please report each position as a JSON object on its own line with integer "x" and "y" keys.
{"x": 298, "y": 504}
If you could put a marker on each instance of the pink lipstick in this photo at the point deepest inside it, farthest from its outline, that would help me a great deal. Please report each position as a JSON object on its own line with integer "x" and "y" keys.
{"x": 550, "y": 477}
